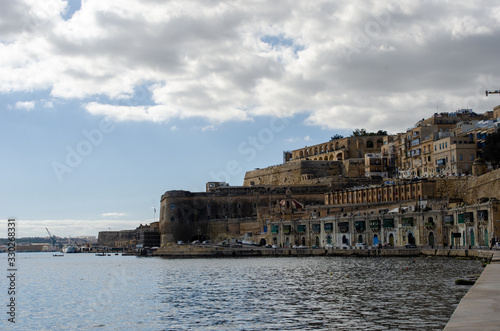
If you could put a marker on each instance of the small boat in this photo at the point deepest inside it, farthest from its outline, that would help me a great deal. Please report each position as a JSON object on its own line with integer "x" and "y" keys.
{"x": 58, "y": 254}
{"x": 100, "y": 254}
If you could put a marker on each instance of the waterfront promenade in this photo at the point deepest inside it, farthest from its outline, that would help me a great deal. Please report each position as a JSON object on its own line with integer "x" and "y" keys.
{"x": 480, "y": 307}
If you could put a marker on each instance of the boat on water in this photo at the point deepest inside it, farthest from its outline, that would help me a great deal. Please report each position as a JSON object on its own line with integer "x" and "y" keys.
{"x": 58, "y": 254}
{"x": 100, "y": 254}
{"x": 70, "y": 249}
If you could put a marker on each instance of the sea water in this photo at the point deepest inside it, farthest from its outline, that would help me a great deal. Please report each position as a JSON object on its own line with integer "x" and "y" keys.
{"x": 88, "y": 292}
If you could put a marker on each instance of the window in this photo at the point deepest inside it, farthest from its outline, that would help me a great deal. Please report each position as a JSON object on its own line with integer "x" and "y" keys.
{"x": 460, "y": 157}
{"x": 472, "y": 157}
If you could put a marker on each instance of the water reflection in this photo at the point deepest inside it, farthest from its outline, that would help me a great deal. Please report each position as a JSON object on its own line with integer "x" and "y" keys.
{"x": 313, "y": 293}
{"x": 84, "y": 292}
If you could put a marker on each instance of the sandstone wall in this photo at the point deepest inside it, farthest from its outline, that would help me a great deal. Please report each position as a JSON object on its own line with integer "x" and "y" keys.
{"x": 110, "y": 238}
{"x": 293, "y": 173}
{"x": 485, "y": 186}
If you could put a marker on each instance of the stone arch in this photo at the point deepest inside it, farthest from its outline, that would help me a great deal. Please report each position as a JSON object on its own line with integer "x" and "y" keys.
{"x": 391, "y": 240}
{"x": 303, "y": 241}
{"x": 262, "y": 242}
{"x": 360, "y": 239}
{"x": 330, "y": 158}
{"x": 337, "y": 145}
{"x": 339, "y": 157}
{"x": 431, "y": 239}
{"x": 345, "y": 240}
{"x": 380, "y": 143}
{"x": 375, "y": 239}
{"x": 369, "y": 144}
{"x": 328, "y": 238}
{"x": 411, "y": 238}
{"x": 301, "y": 154}
{"x": 317, "y": 241}
{"x": 321, "y": 158}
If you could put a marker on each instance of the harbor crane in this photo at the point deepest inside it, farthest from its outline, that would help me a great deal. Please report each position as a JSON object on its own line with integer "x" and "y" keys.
{"x": 492, "y": 92}
{"x": 52, "y": 238}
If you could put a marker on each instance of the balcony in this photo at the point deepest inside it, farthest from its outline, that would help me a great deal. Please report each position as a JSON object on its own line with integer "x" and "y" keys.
{"x": 430, "y": 225}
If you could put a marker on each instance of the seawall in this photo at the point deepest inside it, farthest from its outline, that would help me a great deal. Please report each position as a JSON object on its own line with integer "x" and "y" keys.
{"x": 255, "y": 251}
{"x": 479, "y": 309}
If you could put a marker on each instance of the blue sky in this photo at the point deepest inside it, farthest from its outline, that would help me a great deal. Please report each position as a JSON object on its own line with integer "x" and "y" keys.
{"x": 107, "y": 105}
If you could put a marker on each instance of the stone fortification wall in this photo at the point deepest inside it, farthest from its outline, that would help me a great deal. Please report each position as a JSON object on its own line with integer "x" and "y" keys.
{"x": 110, "y": 238}
{"x": 354, "y": 167}
{"x": 470, "y": 189}
{"x": 293, "y": 173}
{"x": 455, "y": 188}
{"x": 186, "y": 215}
{"x": 485, "y": 186}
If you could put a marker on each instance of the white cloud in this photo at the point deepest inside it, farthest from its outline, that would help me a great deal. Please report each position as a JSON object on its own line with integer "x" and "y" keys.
{"x": 113, "y": 214}
{"x": 25, "y": 105}
{"x": 380, "y": 65}
{"x": 73, "y": 227}
{"x": 47, "y": 104}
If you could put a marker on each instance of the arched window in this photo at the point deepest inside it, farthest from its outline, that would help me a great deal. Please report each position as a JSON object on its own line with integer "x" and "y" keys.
{"x": 369, "y": 144}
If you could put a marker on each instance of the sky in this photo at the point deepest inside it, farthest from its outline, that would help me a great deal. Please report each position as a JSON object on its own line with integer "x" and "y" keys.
{"x": 106, "y": 105}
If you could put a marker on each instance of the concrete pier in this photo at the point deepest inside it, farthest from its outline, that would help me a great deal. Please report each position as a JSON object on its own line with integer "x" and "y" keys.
{"x": 480, "y": 307}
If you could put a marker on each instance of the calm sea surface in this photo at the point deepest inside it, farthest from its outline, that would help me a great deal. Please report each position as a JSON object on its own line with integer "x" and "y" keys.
{"x": 87, "y": 292}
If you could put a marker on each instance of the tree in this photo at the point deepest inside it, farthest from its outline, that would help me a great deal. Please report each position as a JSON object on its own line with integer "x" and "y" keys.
{"x": 337, "y": 136}
{"x": 359, "y": 133}
{"x": 491, "y": 149}
{"x": 381, "y": 133}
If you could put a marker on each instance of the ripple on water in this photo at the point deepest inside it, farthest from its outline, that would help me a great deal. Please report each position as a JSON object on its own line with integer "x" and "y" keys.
{"x": 322, "y": 293}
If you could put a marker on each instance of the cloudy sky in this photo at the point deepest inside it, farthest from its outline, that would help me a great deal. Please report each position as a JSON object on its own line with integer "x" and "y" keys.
{"x": 105, "y": 105}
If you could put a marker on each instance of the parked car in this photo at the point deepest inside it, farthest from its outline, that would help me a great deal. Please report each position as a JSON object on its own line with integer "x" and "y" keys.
{"x": 196, "y": 242}
{"x": 361, "y": 246}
